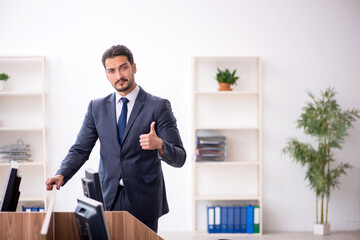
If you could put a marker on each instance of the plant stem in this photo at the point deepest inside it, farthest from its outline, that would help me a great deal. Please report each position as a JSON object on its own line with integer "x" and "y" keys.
{"x": 317, "y": 217}
{"x": 322, "y": 209}
{"x": 323, "y": 177}
{"x": 327, "y": 204}
{"x": 327, "y": 187}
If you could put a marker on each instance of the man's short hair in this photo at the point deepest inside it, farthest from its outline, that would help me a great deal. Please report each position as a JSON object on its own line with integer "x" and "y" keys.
{"x": 118, "y": 50}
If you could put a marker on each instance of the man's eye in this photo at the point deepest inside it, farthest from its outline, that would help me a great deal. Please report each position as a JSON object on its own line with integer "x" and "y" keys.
{"x": 124, "y": 67}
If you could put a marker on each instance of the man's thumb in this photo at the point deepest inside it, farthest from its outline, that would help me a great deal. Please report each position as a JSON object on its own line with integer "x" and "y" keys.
{"x": 152, "y": 127}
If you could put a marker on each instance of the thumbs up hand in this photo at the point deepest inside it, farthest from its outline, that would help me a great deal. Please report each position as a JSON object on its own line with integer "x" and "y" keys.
{"x": 151, "y": 141}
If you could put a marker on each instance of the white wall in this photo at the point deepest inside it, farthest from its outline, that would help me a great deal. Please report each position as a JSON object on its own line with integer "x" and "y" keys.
{"x": 304, "y": 44}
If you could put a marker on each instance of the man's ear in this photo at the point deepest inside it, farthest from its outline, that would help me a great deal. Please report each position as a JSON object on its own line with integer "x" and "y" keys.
{"x": 134, "y": 68}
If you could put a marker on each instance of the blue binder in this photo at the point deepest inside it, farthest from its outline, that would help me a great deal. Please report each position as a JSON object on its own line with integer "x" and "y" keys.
{"x": 243, "y": 219}
{"x": 217, "y": 219}
{"x": 211, "y": 219}
{"x": 224, "y": 219}
{"x": 230, "y": 219}
{"x": 237, "y": 219}
{"x": 250, "y": 219}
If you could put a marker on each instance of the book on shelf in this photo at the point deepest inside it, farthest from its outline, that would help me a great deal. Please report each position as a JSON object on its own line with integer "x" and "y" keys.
{"x": 217, "y": 219}
{"x": 33, "y": 209}
{"x": 243, "y": 219}
{"x": 224, "y": 219}
{"x": 211, "y": 219}
{"x": 233, "y": 219}
{"x": 256, "y": 219}
{"x": 230, "y": 219}
{"x": 211, "y": 148}
{"x": 237, "y": 218}
{"x": 250, "y": 219}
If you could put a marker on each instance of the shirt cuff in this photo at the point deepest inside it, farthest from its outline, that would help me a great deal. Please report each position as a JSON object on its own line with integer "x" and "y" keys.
{"x": 159, "y": 155}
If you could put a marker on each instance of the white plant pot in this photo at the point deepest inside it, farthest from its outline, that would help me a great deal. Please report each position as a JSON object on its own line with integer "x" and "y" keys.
{"x": 2, "y": 84}
{"x": 321, "y": 229}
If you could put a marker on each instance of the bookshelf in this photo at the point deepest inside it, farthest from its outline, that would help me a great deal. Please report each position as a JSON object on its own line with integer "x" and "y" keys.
{"x": 237, "y": 116}
{"x": 22, "y": 116}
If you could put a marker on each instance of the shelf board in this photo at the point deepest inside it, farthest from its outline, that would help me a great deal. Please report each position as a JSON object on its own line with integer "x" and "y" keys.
{"x": 226, "y": 197}
{"x": 212, "y": 58}
{"x": 228, "y": 163}
{"x": 21, "y": 93}
{"x": 225, "y": 235}
{"x": 226, "y": 128}
{"x": 16, "y": 58}
{"x": 34, "y": 164}
{"x": 226, "y": 93}
{"x": 34, "y": 128}
{"x": 30, "y": 199}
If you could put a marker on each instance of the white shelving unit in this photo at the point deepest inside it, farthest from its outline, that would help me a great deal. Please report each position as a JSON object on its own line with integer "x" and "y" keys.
{"x": 237, "y": 115}
{"x": 22, "y": 116}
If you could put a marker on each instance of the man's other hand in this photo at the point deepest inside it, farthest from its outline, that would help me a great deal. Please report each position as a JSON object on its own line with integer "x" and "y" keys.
{"x": 58, "y": 180}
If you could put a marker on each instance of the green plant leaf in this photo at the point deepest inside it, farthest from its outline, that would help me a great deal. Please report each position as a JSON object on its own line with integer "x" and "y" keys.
{"x": 4, "y": 76}
{"x": 225, "y": 76}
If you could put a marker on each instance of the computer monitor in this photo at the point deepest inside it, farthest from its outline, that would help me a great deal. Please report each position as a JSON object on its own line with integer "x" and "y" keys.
{"x": 90, "y": 219}
{"x": 92, "y": 186}
{"x": 11, "y": 194}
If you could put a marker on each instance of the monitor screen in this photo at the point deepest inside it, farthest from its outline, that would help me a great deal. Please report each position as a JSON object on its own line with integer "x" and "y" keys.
{"x": 90, "y": 219}
{"x": 11, "y": 194}
{"x": 92, "y": 186}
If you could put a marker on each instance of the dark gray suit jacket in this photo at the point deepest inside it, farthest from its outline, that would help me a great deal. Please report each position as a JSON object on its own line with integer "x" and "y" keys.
{"x": 140, "y": 169}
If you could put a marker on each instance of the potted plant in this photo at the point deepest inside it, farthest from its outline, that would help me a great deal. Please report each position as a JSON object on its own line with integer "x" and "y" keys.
{"x": 225, "y": 79}
{"x": 3, "y": 78}
{"x": 328, "y": 124}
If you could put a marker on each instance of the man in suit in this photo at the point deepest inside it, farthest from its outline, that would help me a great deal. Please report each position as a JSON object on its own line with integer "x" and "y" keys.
{"x": 136, "y": 131}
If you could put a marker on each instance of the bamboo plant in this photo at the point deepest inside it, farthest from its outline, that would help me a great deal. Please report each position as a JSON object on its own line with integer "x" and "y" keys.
{"x": 323, "y": 119}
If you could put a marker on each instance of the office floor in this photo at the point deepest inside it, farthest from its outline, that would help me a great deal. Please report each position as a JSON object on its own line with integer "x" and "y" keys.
{"x": 353, "y": 235}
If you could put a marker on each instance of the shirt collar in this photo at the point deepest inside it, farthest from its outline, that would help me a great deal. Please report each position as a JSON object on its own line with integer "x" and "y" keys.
{"x": 131, "y": 96}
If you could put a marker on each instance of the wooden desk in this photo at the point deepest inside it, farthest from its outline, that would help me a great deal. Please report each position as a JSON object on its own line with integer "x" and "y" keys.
{"x": 21, "y": 225}
{"x": 62, "y": 225}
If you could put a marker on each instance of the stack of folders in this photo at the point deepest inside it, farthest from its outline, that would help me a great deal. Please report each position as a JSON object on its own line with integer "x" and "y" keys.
{"x": 17, "y": 151}
{"x": 233, "y": 219}
{"x": 211, "y": 148}
{"x": 33, "y": 209}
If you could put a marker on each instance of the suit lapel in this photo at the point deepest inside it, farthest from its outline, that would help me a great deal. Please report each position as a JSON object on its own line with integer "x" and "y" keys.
{"x": 112, "y": 115}
{"x": 139, "y": 102}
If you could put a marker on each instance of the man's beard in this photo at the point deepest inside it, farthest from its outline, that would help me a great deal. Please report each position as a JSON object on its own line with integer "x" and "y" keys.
{"x": 130, "y": 84}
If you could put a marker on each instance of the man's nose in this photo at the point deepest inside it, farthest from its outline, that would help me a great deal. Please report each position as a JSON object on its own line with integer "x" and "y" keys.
{"x": 118, "y": 74}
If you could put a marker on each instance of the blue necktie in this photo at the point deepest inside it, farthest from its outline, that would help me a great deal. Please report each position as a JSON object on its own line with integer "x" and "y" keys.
{"x": 122, "y": 119}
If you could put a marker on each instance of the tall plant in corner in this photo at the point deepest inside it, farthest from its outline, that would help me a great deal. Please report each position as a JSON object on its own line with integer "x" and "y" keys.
{"x": 323, "y": 119}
